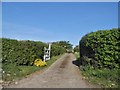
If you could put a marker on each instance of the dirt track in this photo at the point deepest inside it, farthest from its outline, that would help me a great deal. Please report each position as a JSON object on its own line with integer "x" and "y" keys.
{"x": 61, "y": 74}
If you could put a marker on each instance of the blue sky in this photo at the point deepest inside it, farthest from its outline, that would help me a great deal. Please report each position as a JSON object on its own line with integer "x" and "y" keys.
{"x": 50, "y": 21}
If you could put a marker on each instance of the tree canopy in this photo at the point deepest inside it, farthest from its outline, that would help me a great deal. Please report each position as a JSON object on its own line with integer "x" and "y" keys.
{"x": 66, "y": 44}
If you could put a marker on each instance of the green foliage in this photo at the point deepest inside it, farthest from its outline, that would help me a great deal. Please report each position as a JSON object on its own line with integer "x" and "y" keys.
{"x": 21, "y": 52}
{"x": 25, "y": 52}
{"x": 13, "y": 72}
{"x": 57, "y": 50}
{"x": 102, "y": 77}
{"x": 76, "y": 48}
{"x": 64, "y": 44}
{"x": 100, "y": 49}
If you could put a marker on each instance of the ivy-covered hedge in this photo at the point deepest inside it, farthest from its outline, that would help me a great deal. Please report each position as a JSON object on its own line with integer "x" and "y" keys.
{"x": 25, "y": 52}
{"x": 100, "y": 49}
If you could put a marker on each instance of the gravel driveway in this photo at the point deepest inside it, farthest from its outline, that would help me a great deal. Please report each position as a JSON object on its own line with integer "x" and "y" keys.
{"x": 61, "y": 74}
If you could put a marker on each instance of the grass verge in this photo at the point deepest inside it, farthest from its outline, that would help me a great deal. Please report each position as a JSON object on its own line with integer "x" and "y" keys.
{"x": 12, "y": 72}
{"x": 77, "y": 55}
{"x": 104, "y": 78}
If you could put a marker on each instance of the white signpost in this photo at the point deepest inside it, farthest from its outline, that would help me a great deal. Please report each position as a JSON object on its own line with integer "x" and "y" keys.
{"x": 47, "y": 52}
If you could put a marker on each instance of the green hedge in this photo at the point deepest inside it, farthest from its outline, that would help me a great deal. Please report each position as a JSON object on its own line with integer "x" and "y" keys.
{"x": 21, "y": 52}
{"x": 100, "y": 49}
{"x": 25, "y": 52}
{"x": 57, "y": 50}
{"x": 76, "y": 48}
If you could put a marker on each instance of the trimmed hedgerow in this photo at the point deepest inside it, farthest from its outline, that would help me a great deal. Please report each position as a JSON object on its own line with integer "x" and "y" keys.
{"x": 25, "y": 52}
{"x": 100, "y": 49}
{"x": 21, "y": 52}
{"x": 57, "y": 50}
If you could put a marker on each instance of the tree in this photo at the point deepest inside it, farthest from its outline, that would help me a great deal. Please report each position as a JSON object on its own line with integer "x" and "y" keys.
{"x": 65, "y": 44}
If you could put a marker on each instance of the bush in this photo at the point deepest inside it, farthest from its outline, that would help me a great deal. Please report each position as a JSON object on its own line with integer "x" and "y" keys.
{"x": 101, "y": 49}
{"x": 57, "y": 50}
{"x": 21, "y": 52}
{"x": 25, "y": 52}
{"x": 76, "y": 48}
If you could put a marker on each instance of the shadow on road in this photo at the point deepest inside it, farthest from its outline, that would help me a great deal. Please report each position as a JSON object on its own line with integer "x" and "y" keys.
{"x": 76, "y": 62}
